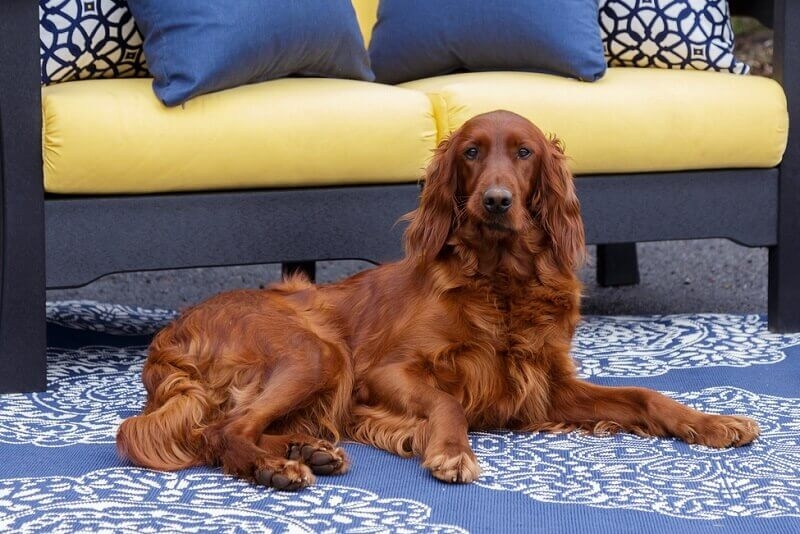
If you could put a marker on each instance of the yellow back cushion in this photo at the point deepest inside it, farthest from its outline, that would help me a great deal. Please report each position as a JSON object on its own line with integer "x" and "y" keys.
{"x": 367, "y": 13}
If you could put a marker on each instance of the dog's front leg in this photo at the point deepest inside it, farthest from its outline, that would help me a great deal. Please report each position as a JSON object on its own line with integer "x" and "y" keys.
{"x": 646, "y": 412}
{"x": 439, "y": 422}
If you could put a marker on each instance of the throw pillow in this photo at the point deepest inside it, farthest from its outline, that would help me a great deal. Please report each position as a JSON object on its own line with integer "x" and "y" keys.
{"x": 419, "y": 38}
{"x": 82, "y": 39}
{"x": 196, "y": 47}
{"x": 681, "y": 34}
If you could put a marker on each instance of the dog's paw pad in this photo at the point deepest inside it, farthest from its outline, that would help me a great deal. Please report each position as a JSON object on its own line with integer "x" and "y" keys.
{"x": 321, "y": 456}
{"x": 287, "y": 475}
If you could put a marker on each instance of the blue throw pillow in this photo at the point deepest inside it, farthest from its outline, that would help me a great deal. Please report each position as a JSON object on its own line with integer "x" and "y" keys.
{"x": 195, "y": 47}
{"x": 421, "y": 38}
{"x": 674, "y": 34}
{"x": 81, "y": 39}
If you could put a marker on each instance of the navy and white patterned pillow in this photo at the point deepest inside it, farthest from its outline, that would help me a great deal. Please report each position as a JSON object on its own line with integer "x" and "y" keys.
{"x": 675, "y": 34}
{"x": 81, "y": 39}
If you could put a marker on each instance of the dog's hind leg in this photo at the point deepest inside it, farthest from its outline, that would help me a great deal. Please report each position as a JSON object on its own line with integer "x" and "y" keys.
{"x": 233, "y": 441}
{"x": 294, "y": 384}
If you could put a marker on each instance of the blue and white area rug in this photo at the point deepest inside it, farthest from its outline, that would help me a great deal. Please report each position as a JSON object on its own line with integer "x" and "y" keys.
{"x": 59, "y": 471}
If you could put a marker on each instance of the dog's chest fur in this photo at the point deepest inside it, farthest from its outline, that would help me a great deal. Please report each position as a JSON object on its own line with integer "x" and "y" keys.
{"x": 501, "y": 373}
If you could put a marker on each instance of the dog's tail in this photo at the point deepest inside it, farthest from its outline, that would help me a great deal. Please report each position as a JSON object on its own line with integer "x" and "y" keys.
{"x": 168, "y": 434}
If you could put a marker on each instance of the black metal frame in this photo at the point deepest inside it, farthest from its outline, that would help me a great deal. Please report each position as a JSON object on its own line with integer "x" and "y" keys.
{"x": 87, "y": 237}
{"x": 617, "y": 265}
{"x": 22, "y": 289}
{"x": 784, "y": 256}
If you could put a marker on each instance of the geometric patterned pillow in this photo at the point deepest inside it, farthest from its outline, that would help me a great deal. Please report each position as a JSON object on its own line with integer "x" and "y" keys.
{"x": 674, "y": 34}
{"x": 82, "y": 39}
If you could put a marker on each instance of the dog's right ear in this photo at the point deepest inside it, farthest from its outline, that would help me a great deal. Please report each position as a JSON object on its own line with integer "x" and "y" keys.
{"x": 431, "y": 223}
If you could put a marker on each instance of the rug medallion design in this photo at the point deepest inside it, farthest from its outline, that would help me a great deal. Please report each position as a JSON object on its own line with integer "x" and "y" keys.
{"x": 61, "y": 474}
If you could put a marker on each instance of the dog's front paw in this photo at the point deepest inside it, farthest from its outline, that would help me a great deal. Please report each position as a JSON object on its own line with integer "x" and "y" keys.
{"x": 453, "y": 463}
{"x": 721, "y": 431}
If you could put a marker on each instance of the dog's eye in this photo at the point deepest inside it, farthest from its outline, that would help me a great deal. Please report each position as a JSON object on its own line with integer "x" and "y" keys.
{"x": 524, "y": 153}
{"x": 471, "y": 153}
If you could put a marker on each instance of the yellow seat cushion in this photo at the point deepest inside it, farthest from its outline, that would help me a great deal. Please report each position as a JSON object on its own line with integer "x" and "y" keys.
{"x": 113, "y": 136}
{"x": 632, "y": 120}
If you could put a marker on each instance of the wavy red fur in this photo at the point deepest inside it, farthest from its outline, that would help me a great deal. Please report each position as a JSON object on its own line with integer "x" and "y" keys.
{"x": 471, "y": 330}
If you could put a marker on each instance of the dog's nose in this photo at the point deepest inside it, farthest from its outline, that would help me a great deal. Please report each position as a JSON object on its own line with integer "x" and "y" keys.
{"x": 497, "y": 200}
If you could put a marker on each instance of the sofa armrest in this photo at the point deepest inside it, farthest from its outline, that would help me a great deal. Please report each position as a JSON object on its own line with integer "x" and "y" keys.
{"x": 786, "y": 63}
{"x": 22, "y": 281}
{"x": 787, "y": 46}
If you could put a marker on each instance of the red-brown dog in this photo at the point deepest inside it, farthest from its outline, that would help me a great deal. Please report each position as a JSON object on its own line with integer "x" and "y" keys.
{"x": 471, "y": 330}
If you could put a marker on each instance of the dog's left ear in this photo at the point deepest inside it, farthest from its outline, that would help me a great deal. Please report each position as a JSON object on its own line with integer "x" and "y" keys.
{"x": 556, "y": 206}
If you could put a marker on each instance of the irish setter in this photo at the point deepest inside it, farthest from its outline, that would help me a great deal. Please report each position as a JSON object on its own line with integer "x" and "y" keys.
{"x": 471, "y": 330}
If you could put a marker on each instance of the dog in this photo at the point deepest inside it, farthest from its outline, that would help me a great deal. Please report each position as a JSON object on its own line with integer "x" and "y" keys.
{"x": 471, "y": 330}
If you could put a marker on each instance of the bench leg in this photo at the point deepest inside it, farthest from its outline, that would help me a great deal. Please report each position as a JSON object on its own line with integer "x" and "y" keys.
{"x": 783, "y": 293}
{"x": 784, "y": 288}
{"x": 23, "y": 355}
{"x": 308, "y": 268}
{"x": 617, "y": 265}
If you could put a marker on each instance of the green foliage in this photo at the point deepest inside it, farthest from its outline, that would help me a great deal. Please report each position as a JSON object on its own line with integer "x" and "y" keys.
{"x": 745, "y": 25}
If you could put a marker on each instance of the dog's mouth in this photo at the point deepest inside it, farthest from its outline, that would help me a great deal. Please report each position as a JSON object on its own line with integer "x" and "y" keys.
{"x": 498, "y": 225}
{"x": 501, "y": 224}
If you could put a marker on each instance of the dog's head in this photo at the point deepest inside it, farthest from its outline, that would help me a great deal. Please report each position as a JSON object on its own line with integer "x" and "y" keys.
{"x": 496, "y": 179}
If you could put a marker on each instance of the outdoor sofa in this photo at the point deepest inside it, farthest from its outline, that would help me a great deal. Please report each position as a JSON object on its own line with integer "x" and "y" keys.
{"x": 98, "y": 177}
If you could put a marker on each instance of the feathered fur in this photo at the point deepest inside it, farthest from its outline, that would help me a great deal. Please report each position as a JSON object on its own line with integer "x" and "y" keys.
{"x": 471, "y": 330}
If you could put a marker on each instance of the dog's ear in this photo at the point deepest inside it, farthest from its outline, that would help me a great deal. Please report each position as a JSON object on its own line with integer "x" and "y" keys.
{"x": 432, "y": 222}
{"x": 556, "y": 206}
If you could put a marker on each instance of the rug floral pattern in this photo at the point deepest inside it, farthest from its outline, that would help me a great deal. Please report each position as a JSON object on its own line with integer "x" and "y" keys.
{"x": 94, "y": 387}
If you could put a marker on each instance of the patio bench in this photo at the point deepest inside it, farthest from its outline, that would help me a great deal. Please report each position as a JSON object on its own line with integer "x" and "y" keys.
{"x": 83, "y": 194}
